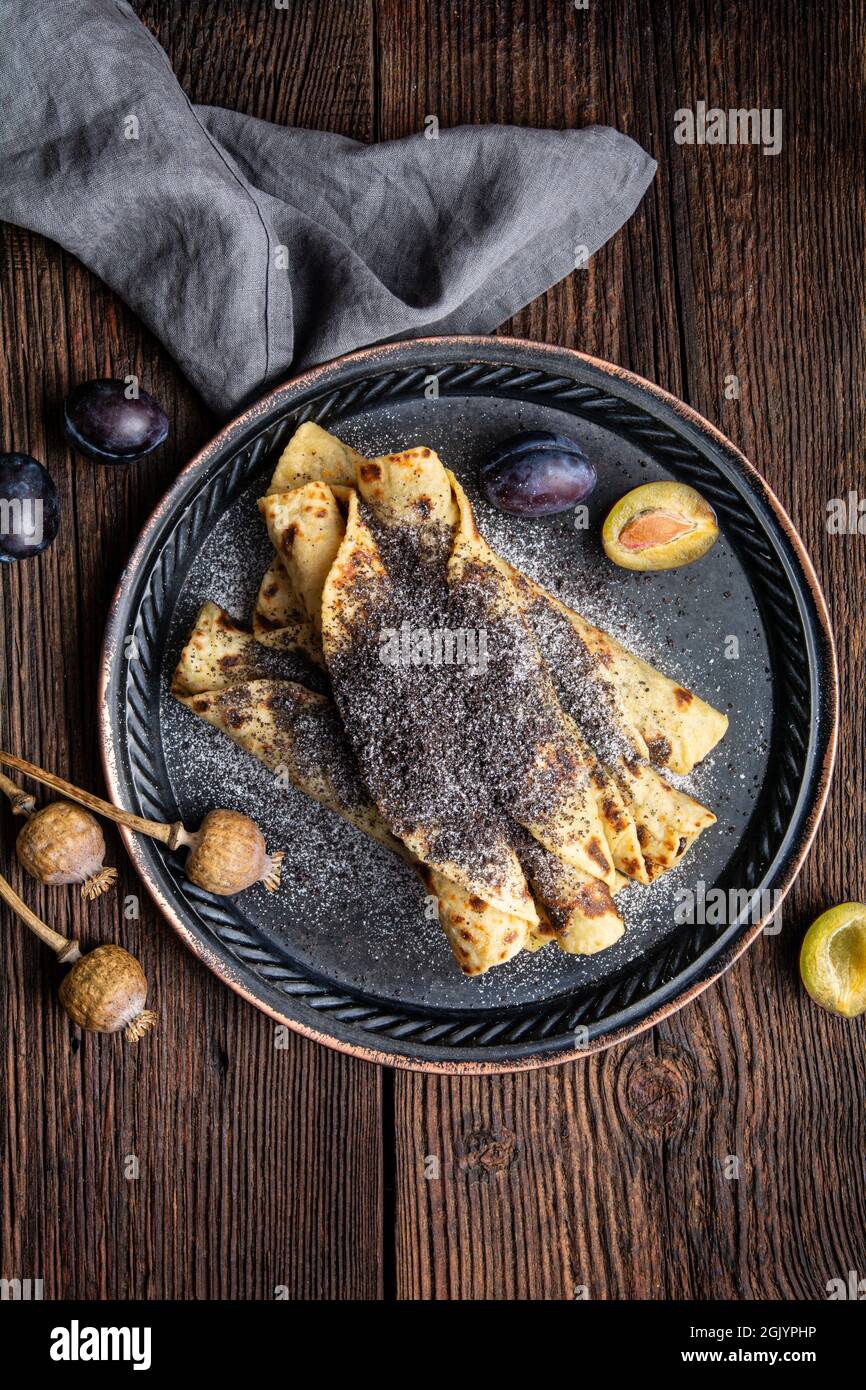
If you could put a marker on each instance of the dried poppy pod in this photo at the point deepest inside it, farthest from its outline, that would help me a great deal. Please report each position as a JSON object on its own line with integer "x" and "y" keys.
{"x": 227, "y": 853}
{"x": 63, "y": 843}
{"x": 105, "y": 991}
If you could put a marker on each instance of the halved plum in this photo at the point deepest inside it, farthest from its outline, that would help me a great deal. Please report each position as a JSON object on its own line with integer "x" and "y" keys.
{"x": 659, "y": 526}
{"x": 833, "y": 960}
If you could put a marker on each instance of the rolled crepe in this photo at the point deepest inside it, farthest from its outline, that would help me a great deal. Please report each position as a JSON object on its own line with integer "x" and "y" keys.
{"x": 621, "y": 830}
{"x": 411, "y": 490}
{"x": 306, "y": 528}
{"x": 312, "y": 455}
{"x": 480, "y": 934}
{"x": 297, "y": 733}
{"x": 667, "y": 722}
{"x": 577, "y": 912}
{"x": 641, "y": 825}
{"x": 279, "y": 618}
{"x": 221, "y": 678}
{"x": 677, "y": 728}
{"x": 552, "y": 796}
{"x": 403, "y": 740}
{"x": 668, "y": 820}
{"x": 218, "y": 653}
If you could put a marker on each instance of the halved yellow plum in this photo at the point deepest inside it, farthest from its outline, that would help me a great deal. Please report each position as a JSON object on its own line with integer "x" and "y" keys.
{"x": 659, "y": 526}
{"x": 833, "y": 960}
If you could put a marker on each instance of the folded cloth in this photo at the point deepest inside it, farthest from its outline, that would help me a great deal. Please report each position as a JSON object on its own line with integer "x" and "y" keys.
{"x": 253, "y": 250}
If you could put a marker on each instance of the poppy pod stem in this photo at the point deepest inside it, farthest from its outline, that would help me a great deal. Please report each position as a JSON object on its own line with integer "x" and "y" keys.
{"x": 64, "y": 949}
{"x": 172, "y": 834}
{"x": 22, "y": 802}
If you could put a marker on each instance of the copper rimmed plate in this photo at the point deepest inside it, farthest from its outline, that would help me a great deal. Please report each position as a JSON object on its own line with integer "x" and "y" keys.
{"x": 346, "y": 953}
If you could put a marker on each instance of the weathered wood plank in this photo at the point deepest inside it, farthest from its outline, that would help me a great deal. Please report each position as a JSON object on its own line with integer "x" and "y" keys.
{"x": 615, "y": 1174}
{"x": 257, "y": 1168}
{"x": 260, "y": 1168}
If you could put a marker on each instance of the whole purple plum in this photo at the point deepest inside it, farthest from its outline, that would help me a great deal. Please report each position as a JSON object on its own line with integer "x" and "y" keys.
{"x": 29, "y": 508}
{"x": 104, "y": 422}
{"x": 537, "y": 474}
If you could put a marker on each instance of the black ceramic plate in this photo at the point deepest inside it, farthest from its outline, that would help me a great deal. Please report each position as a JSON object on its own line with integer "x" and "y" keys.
{"x": 347, "y": 952}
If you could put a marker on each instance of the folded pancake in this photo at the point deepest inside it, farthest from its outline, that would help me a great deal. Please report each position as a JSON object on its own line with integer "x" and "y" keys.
{"x": 675, "y": 727}
{"x": 313, "y": 455}
{"x": 228, "y": 679}
{"x": 617, "y": 821}
{"x": 306, "y": 528}
{"x": 380, "y": 558}
{"x": 406, "y": 719}
{"x": 410, "y": 489}
{"x": 480, "y": 934}
{"x": 668, "y": 820}
{"x": 222, "y": 678}
{"x": 280, "y": 619}
{"x": 298, "y": 734}
{"x": 219, "y": 653}
{"x": 649, "y": 824}
{"x": 584, "y": 686}
{"x": 576, "y": 911}
{"x": 663, "y": 719}
{"x": 277, "y": 623}
{"x": 542, "y": 772}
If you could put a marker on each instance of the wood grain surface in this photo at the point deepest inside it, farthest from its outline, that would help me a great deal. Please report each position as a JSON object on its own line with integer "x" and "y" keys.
{"x": 721, "y": 1155}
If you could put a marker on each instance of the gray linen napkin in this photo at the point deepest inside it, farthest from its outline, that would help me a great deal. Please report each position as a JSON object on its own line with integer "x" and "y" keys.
{"x": 252, "y": 250}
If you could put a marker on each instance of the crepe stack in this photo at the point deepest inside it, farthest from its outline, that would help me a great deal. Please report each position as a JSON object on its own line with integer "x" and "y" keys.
{"x": 503, "y": 746}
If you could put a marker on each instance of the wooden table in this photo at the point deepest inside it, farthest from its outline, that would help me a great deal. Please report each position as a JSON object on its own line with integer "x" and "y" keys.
{"x": 205, "y": 1163}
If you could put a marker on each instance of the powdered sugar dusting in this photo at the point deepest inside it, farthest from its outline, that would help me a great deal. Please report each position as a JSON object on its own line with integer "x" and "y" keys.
{"x": 351, "y": 912}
